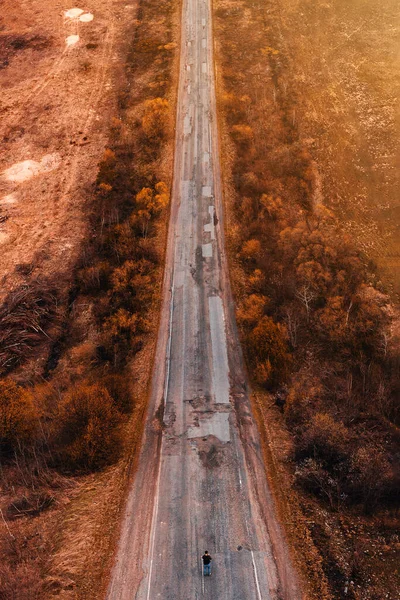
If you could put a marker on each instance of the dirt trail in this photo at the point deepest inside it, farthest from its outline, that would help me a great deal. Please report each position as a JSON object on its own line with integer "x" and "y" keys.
{"x": 200, "y": 481}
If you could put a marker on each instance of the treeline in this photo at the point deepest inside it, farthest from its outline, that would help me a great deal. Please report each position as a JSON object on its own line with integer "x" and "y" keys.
{"x": 315, "y": 329}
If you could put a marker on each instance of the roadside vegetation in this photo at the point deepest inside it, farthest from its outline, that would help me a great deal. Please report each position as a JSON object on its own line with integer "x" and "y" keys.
{"x": 70, "y": 425}
{"x": 316, "y": 329}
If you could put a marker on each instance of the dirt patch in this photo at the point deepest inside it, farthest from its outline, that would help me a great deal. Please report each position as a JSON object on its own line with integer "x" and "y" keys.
{"x": 71, "y": 40}
{"x": 73, "y": 13}
{"x": 10, "y": 45}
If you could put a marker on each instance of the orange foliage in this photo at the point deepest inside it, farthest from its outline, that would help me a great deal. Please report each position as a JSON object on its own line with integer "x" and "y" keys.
{"x": 19, "y": 416}
{"x": 155, "y": 120}
{"x": 89, "y": 421}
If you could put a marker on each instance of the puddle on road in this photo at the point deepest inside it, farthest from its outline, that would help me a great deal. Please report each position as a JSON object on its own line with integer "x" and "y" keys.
{"x": 25, "y": 170}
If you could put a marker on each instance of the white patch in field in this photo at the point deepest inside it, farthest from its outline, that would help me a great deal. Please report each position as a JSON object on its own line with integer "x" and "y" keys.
{"x": 206, "y": 191}
{"x": 86, "y": 18}
{"x": 204, "y": 67}
{"x": 27, "y": 169}
{"x": 3, "y": 237}
{"x": 71, "y": 40}
{"x": 73, "y": 13}
{"x": 9, "y": 199}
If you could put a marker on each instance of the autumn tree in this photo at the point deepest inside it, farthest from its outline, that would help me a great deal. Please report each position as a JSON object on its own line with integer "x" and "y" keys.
{"x": 120, "y": 389}
{"x": 251, "y": 250}
{"x": 131, "y": 284}
{"x": 267, "y": 347}
{"x": 149, "y": 203}
{"x": 107, "y": 171}
{"x": 243, "y": 135}
{"x": 155, "y": 121}
{"x": 251, "y": 310}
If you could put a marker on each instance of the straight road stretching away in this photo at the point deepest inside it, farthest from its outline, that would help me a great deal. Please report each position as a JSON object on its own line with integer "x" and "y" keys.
{"x": 200, "y": 482}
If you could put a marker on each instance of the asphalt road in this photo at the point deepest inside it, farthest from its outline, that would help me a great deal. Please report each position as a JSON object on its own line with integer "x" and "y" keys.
{"x": 200, "y": 483}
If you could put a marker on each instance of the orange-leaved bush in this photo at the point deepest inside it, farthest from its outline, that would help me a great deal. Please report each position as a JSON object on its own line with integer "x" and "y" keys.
{"x": 267, "y": 346}
{"x": 19, "y": 416}
{"x": 90, "y": 436}
{"x": 155, "y": 120}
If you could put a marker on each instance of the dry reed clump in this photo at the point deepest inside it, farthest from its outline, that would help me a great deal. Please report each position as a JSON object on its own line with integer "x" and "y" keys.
{"x": 25, "y": 318}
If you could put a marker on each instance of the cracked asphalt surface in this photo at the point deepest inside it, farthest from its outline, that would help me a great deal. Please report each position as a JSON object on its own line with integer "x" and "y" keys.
{"x": 200, "y": 482}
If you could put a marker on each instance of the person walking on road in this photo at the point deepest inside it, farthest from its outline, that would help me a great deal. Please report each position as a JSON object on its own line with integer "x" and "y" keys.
{"x": 206, "y": 558}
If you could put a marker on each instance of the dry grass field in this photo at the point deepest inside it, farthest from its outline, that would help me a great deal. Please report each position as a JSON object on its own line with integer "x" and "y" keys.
{"x": 342, "y": 67}
{"x": 56, "y": 100}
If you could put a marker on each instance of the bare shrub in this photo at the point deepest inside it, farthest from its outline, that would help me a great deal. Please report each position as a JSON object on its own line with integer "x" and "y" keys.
{"x": 120, "y": 390}
{"x": 312, "y": 476}
{"x": 95, "y": 277}
{"x": 325, "y": 440}
{"x": 370, "y": 474}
